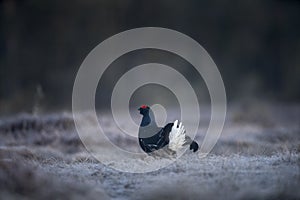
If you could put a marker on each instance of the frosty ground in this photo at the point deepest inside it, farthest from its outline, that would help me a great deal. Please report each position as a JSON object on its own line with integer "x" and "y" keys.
{"x": 257, "y": 157}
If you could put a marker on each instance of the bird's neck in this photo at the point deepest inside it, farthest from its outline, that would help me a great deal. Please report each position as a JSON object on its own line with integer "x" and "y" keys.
{"x": 148, "y": 120}
{"x": 148, "y": 126}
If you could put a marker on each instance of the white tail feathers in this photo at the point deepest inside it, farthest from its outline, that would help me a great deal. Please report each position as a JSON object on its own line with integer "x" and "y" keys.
{"x": 177, "y": 136}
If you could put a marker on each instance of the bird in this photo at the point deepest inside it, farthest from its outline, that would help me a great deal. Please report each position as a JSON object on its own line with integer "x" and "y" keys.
{"x": 152, "y": 138}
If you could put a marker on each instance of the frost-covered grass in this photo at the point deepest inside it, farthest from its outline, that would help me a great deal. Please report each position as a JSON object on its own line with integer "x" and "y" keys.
{"x": 255, "y": 158}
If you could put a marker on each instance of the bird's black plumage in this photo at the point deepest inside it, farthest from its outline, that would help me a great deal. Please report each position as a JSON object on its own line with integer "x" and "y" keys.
{"x": 152, "y": 137}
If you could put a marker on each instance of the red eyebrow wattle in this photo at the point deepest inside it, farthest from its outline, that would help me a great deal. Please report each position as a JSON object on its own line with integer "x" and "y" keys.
{"x": 144, "y": 106}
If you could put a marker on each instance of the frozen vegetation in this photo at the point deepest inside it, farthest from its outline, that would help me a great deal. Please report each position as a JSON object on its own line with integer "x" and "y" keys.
{"x": 257, "y": 157}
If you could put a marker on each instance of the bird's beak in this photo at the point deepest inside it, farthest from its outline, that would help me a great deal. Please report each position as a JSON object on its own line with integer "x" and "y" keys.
{"x": 139, "y": 109}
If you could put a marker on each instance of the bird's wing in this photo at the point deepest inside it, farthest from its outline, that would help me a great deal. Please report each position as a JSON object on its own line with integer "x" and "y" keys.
{"x": 162, "y": 137}
{"x": 177, "y": 136}
{"x": 148, "y": 147}
{"x": 157, "y": 141}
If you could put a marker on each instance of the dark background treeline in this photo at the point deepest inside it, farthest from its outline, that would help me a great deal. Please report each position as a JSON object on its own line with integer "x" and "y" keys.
{"x": 255, "y": 44}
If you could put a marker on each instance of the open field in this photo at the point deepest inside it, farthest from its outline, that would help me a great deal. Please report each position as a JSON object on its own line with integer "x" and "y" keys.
{"x": 257, "y": 157}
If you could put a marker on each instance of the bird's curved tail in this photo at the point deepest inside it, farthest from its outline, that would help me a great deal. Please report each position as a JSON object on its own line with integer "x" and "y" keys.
{"x": 194, "y": 146}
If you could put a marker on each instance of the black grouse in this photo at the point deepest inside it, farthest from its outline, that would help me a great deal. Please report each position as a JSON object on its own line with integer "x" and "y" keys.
{"x": 152, "y": 137}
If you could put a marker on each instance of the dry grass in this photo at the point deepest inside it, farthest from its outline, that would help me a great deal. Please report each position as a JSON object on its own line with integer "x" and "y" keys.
{"x": 22, "y": 180}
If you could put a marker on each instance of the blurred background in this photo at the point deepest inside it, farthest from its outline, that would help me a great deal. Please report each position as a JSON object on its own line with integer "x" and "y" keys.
{"x": 255, "y": 44}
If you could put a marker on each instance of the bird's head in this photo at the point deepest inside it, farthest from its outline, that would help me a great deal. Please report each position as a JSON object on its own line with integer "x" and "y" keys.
{"x": 144, "y": 110}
